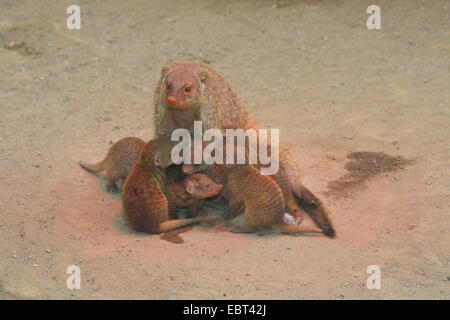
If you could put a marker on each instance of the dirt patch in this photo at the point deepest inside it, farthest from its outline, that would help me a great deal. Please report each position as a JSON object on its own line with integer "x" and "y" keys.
{"x": 363, "y": 166}
{"x": 173, "y": 236}
{"x": 22, "y": 48}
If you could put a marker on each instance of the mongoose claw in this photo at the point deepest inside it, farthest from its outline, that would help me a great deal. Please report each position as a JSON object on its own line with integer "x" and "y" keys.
{"x": 112, "y": 187}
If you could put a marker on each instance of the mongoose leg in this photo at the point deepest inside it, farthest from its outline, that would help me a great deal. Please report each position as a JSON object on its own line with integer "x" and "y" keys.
{"x": 295, "y": 210}
{"x": 195, "y": 210}
{"x": 173, "y": 212}
{"x": 234, "y": 205}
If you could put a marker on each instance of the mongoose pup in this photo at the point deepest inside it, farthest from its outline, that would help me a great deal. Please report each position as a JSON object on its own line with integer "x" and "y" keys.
{"x": 118, "y": 162}
{"x": 189, "y": 91}
{"x": 190, "y": 193}
{"x": 145, "y": 205}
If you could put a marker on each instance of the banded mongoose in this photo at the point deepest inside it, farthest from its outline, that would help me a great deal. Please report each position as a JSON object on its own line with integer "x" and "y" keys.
{"x": 191, "y": 192}
{"x": 118, "y": 161}
{"x": 189, "y": 91}
{"x": 247, "y": 188}
{"x": 258, "y": 194}
{"x": 145, "y": 205}
{"x": 182, "y": 191}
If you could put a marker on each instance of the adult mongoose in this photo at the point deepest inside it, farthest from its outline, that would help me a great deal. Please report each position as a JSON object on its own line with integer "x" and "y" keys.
{"x": 189, "y": 91}
{"x": 145, "y": 205}
{"x": 118, "y": 161}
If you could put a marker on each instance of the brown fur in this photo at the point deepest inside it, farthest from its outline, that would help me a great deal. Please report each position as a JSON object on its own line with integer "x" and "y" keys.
{"x": 214, "y": 102}
{"x": 145, "y": 205}
{"x": 190, "y": 193}
{"x": 118, "y": 162}
{"x": 245, "y": 187}
{"x": 260, "y": 195}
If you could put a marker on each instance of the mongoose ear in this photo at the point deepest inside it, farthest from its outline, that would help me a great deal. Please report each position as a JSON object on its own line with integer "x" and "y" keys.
{"x": 189, "y": 188}
{"x": 157, "y": 159}
{"x": 203, "y": 78}
{"x": 164, "y": 70}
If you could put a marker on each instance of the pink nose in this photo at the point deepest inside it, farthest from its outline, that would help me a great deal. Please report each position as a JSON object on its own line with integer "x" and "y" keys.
{"x": 171, "y": 100}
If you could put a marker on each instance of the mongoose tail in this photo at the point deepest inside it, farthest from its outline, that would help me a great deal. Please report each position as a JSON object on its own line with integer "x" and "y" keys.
{"x": 300, "y": 191}
{"x": 178, "y": 223}
{"x": 319, "y": 214}
{"x": 94, "y": 167}
{"x": 304, "y": 194}
{"x": 310, "y": 204}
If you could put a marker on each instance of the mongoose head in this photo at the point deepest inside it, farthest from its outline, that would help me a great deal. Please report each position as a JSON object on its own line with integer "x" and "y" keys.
{"x": 157, "y": 153}
{"x": 201, "y": 186}
{"x": 182, "y": 86}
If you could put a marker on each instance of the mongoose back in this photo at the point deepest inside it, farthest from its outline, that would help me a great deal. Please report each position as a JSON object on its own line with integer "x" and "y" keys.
{"x": 118, "y": 162}
{"x": 145, "y": 205}
{"x": 188, "y": 91}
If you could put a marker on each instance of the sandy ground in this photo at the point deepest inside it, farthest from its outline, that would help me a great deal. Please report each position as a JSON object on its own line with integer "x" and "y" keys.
{"x": 310, "y": 68}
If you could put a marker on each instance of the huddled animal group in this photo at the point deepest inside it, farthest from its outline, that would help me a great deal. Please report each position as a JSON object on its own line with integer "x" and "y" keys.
{"x": 154, "y": 187}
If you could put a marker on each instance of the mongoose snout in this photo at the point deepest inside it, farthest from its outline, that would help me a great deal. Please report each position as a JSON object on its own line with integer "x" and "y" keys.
{"x": 181, "y": 88}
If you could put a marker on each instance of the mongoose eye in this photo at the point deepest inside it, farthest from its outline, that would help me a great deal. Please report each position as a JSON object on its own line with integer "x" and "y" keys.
{"x": 187, "y": 89}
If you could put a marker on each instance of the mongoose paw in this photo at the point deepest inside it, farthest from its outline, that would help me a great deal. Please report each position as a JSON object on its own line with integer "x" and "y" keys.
{"x": 232, "y": 213}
